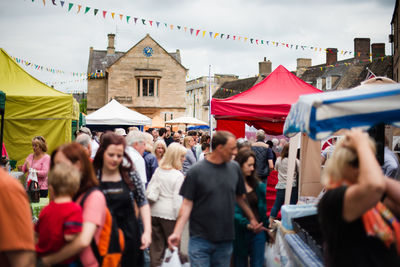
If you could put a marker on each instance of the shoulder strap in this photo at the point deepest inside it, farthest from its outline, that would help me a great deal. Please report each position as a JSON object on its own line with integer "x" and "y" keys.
{"x": 86, "y": 195}
{"x": 93, "y": 244}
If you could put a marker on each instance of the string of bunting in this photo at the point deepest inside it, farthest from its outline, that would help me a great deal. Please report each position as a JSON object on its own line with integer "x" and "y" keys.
{"x": 65, "y": 82}
{"x": 81, "y": 9}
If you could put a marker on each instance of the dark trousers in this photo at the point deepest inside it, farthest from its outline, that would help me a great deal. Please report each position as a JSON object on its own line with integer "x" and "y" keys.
{"x": 44, "y": 193}
{"x": 280, "y": 199}
{"x": 161, "y": 229}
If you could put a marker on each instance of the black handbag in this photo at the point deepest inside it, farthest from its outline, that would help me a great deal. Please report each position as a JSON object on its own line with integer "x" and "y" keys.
{"x": 34, "y": 192}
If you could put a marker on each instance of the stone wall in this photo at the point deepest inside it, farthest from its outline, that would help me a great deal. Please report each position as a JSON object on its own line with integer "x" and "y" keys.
{"x": 96, "y": 96}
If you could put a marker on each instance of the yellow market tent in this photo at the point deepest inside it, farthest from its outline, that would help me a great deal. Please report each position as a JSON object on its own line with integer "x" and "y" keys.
{"x": 33, "y": 108}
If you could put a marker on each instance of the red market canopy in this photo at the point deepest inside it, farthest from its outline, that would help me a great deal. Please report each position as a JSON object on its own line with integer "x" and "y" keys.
{"x": 266, "y": 104}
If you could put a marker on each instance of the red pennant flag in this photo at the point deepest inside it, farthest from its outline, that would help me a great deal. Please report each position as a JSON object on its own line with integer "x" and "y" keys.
{"x": 121, "y": 16}
{"x": 151, "y": 22}
{"x": 234, "y": 37}
{"x": 104, "y": 13}
{"x": 79, "y": 9}
{"x": 256, "y": 41}
{"x": 197, "y": 32}
{"x": 112, "y": 14}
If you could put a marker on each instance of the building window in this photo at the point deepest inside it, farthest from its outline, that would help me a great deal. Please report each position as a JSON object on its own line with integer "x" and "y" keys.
{"x": 329, "y": 83}
{"x": 148, "y": 86}
{"x": 319, "y": 83}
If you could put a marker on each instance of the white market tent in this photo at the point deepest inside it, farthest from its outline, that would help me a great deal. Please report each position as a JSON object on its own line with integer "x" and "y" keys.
{"x": 116, "y": 114}
{"x": 187, "y": 121}
{"x": 320, "y": 115}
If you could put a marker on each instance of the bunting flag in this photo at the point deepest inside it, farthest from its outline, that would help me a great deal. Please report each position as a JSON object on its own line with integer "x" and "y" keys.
{"x": 253, "y": 41}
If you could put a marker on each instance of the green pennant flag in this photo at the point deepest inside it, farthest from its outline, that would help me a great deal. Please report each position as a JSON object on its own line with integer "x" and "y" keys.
{"x": 143, "y": 21}
{"x": 127, "y": 19}
{"x": 251, "y": 40}
{"x": 70, "y": 6}
{"x": 165, "y": 24}
{"x": 179, "y": 27}
{"x": 95, "y": 11}
{"x": 222, "y": 35}
{"x": 33, "y": 0}
{"x": 87, "y": 9}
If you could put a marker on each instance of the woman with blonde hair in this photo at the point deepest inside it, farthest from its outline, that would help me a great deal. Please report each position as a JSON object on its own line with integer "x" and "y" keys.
{"x": 40, "y": 161}
{"x": 358, "y": 230}
{"x": 159, "y": 149}
{"x": 165, "y": 201}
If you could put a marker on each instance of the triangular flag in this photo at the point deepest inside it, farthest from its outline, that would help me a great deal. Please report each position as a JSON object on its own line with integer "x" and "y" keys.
{"x": 104, "y": 13}
{"x": 120, "y": 16}
{"x": 191, "y": 31}
{"x": 197, "y": 32}
{"x": 216, "y": 34}
{"x": 171, "y": 26}
{"x": 239, "y": 38}
{"x": 222, "y": 35}
{"x": 127, "y": 19}
{"x": 245, "y": 39}
{"x": 135, "y": 19}
{"x": 211, "y": 34}
{"x": 185, "y": 28}
{"x": 87, "y": 9}
{"x": 62, "y": 3}
{"x": 166, "y": 25}
{"x": 112, "y": 14}
{"x": 151, "y": 22}
{"x": 79, "y": 9}
{"x": 54, "y": 2}
{"x": 251, "y": 40}
{"x": 204, "y": 33}
{"x": 44, "y": 2}
{"x": 227, "y": 37}
{"x": 143, "y": 21}
{"x": 70, "y": 6}
{"x": 95, "y": 11}
{"x": 158, "y": 23}
{"x": 234, "y": 37}
{"x": 179, "y": 27}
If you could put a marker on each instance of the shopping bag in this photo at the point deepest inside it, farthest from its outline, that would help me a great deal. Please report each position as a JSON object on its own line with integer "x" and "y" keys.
{"x": 33, "y": 186}
{"x": 171, "y": 259}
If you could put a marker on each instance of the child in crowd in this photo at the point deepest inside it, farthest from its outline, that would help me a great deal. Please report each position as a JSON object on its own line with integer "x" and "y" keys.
{"x": 61, "y": 220}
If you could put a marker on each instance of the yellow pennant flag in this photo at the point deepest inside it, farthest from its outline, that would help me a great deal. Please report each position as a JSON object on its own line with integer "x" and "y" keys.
{"x": 204, "y": 33}
{"x": 245, "y": 39}
{"x": 112, "y": 14}
{"x": 171, "y": 26}
{"x": 316, "y": 49}
{"x": 215, "y": 35}
{"x": 341, "y": 52}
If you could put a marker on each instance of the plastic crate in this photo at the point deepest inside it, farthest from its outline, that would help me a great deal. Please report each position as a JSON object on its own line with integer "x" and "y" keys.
{"x": 308, "y": 230}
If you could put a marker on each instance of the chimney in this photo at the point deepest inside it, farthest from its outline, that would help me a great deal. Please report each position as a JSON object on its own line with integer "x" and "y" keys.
{"x": 178, "y": 55}
{"x": 302, "y": 65}
{"x": 361, "y": 48}
{"x": 378, "y": 50}
{"x": 264, "y": 67}
{"x": 331, "y": 56}
{"x": 110, "y": 47}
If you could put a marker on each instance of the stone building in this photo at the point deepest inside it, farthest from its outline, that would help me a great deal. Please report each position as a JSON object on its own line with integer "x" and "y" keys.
{"x": 394, "y": 39}
{"x": 146, "y": 79}
{"x": 197, "y": 94}
{"x": 348, "y": 73}
{"x": 231, "y": 88}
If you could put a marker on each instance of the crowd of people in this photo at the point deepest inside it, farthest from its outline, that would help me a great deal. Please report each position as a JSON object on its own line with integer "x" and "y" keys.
{"x": 146, "y": 186}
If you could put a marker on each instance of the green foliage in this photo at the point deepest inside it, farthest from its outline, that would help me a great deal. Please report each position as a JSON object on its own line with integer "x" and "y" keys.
{"x": 83, "y": 106}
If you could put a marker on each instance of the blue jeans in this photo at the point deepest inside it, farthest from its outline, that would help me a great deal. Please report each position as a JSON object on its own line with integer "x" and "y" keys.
{"x": 256, "y": 248}
{"x": 280, "y": 199}
{"x": 204, "y": 253}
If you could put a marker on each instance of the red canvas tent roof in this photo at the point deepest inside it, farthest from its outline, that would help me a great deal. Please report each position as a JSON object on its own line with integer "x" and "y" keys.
{"x": 267, "y": 103}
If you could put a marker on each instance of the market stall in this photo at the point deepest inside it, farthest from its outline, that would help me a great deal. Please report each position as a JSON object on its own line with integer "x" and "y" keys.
{"x": 186, "y": 121}
{"x": 319, "y": 116}
{"x": 115, "y": 115}
{"x": 33, "y": 108}
{"x": 264, "y": 106}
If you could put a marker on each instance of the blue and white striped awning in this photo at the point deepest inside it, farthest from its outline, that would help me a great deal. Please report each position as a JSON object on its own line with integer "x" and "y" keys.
{"x": 320, "y": 115}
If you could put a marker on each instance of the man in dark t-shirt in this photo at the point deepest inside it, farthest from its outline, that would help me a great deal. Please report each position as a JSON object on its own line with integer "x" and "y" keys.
{"x": 210, "y": 190}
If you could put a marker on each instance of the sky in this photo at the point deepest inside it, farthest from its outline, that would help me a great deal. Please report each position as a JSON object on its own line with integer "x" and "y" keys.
{"x": 50, "y": 36}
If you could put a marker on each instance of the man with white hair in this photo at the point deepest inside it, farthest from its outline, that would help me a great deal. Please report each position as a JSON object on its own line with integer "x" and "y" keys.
{"x": 135, "y": 146}
{"x": 264, "y": 156}
{"x": 86, "y": 142}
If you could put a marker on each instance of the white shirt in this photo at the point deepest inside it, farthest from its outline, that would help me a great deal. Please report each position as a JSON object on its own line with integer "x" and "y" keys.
{"x": 95, "y": 146}
{"x": 163, "y": 189}
{"x": 139, "y": 163}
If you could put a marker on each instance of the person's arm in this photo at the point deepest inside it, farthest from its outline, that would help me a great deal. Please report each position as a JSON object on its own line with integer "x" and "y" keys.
{"x": 76, "y": 246}
{"x": 392, "y": 197}
{"x": 254, "y": 225}
{"x": 146, "y": 219}
{"x": 175, "y": 238}
{"x": 21, "y": 258}
{"x": 271, "y": 164}
{"x": 370, "y": 186}
{"x": 70, "y": 237}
